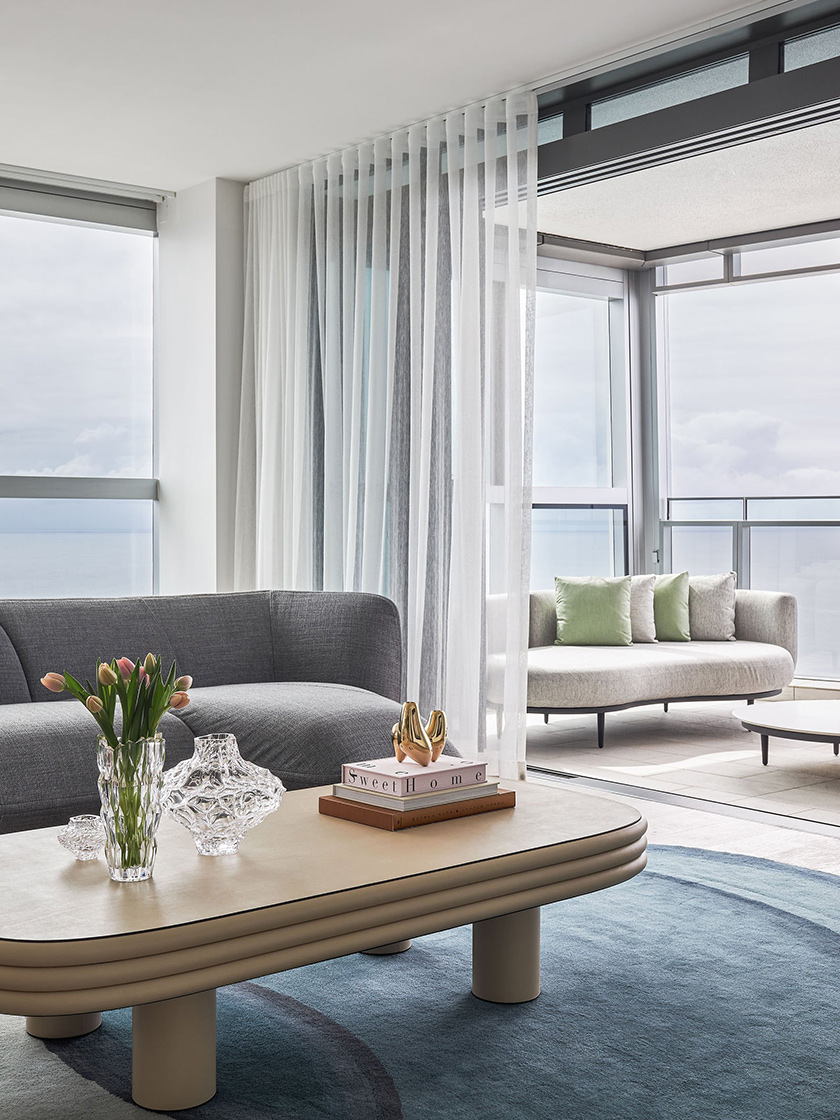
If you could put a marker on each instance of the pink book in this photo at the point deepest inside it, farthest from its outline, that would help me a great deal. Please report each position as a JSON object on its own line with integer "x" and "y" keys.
{"x": 386, "y": 775}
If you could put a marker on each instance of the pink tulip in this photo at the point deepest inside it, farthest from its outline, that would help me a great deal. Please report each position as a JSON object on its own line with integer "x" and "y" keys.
{"x": 142, "y": 676}
{"x": 125, "y": 667}
{"x": 183, "y": 683}
{"x": 178, "y": 700}
{"x": 54, "y": 682}
{"x": 94, "y": 704}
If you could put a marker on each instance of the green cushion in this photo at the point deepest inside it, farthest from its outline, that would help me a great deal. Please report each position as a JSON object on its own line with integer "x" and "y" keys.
{"x": 592, "y": 611}
{"x": 670, "y": 608}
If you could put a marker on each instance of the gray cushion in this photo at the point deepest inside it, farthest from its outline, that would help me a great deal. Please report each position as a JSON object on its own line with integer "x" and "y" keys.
{"x": 48, "y": 762}
{"x": 215, "y": 638}
{"x": 711, "y": 607}
{"x": 642, "y": 622}
{"x": 594, "y": 677}
{"x": 303, "y": 732}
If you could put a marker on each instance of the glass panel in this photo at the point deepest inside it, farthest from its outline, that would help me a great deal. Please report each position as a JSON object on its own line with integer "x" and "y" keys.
{"x": 572, "y": 430}
{"x": 75, "y": 350}
{"x": 550, "y": 129}
{"x": 66, "y": 548}
{"x": 576, "y": 542}
{"x": 702, "y": 550}
{"x": 807, "y": 254}
{"x": 691, "y": 272}
{"x": 793, "y": 509}
{"x": 673, "y": 91}
{"x": 809, "y": 49}
{"x": 805, "y": 561}
{"x": 754, "y": 395}
{"x": 720, "y": 509}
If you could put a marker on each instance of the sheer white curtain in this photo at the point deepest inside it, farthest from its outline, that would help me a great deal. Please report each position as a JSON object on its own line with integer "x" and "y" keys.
{"x": 385, "y": 433}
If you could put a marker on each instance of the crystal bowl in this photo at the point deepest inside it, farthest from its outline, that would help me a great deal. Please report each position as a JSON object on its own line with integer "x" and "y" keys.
{"x": 84, "y": 836}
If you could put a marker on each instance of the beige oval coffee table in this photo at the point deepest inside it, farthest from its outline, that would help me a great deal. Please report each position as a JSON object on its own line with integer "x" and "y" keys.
{"x": 303, "y": 888}
{"x": 813, "y": 721}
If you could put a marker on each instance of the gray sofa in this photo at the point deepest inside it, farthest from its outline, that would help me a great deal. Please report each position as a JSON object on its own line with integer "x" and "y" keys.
{"x": 305, "y": 680}
{"x": 600, "y": 679}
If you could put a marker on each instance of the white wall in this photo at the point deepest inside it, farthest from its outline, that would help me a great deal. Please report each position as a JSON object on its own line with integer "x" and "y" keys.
{"x": 200, "y": 319}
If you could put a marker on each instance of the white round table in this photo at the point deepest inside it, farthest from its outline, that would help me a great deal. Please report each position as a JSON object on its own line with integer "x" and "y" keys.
{"x": 814, "y": 721}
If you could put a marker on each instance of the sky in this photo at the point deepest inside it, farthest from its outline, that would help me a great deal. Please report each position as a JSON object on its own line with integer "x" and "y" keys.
{"x": 75, "y": 350}
{"x": 754, "y": 387}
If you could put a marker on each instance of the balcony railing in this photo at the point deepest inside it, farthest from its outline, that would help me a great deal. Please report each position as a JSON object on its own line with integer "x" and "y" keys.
{"x": 787, "y": 544}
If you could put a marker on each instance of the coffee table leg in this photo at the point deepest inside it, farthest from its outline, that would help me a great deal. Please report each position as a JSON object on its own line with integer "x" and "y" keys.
{"x": 765, "y": 743}
{"x": 62, "y": 1026}
{"x": 174, "y": 1052}
{"x": 387, "y": 950}
{"x": 506, "y": 957}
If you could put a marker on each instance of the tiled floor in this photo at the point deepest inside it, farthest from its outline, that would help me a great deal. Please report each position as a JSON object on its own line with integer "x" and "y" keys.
{"x": 694, "y": 750}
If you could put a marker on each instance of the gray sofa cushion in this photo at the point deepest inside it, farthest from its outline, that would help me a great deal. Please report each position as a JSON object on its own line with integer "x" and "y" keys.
{"x": 603, "y": 676}
{"x": 711, "y": 607}
{"x": 215, "y": 638}
{"x": 642, "y": 620}
{"x": 48, "y": 762}
{"x": 302, "y": 731}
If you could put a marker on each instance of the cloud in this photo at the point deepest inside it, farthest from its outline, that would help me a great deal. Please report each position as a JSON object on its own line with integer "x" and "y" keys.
{"x": 747, "y": 453}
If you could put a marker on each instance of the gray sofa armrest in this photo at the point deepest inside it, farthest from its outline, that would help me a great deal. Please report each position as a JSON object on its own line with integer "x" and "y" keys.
{"x": 338, "y": 637}
{"x": 766, "y": 616}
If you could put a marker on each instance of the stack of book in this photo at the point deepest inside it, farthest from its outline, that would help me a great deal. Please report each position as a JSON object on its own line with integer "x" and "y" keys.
{"x": 393, "y": 795}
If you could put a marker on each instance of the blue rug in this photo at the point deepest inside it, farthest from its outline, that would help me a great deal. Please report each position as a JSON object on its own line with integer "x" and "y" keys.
{"x": 708, "y": 987}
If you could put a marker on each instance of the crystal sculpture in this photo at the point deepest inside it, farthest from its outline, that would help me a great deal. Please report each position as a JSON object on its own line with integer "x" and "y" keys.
{"x": 84, "y": 836}
{"x": 218, "y": 796}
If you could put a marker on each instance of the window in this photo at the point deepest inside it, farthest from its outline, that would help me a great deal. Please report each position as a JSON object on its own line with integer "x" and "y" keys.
{"x": 784, "y": 258}
{"x": 672, "y": 91}
{"x": 550, "y": 129}
{"x": 572, "y": 422}
{"x": 749, "y": 407}
{"x": 76, "y": 384}
{"x": 691, "y": 272}
{"x": 579, "y": 519}
{"x": 808, "y": 49}
{"x": 577, "y": 541}
{"x": 753, "y": 387}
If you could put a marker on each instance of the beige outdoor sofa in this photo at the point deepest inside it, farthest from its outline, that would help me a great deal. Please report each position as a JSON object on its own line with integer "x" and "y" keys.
{"x": 565, "y": 679}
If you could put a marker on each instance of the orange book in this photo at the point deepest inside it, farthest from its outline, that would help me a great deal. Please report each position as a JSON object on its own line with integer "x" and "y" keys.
{"x": 393, "y": 820}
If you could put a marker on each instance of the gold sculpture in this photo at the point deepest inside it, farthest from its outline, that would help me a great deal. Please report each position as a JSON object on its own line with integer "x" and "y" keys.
{"x": 412, "y": 740}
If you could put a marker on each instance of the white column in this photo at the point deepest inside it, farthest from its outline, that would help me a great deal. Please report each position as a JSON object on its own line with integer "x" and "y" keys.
{"x": 199, "y": 338}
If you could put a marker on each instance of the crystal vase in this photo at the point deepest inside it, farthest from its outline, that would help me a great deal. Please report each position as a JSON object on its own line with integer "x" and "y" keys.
{"x": 218, "y": 796}
{"x": 130, "y": 788}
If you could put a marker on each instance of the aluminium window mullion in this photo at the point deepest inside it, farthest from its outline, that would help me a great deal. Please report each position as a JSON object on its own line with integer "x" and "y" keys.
{"x": 73, "y": 487}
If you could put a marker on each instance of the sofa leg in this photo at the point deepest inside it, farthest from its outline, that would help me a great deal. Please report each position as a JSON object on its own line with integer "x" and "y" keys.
{"x": 665, "y": 706}
{"x": 751, "y": 700}
{"x": 545, "y": 716}
{"x": 600, "y": 717}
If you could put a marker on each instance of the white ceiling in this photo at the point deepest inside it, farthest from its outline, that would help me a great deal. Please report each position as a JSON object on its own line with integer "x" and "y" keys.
{"x": 768, "y": 184}
{"x": 169, "y": 93}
